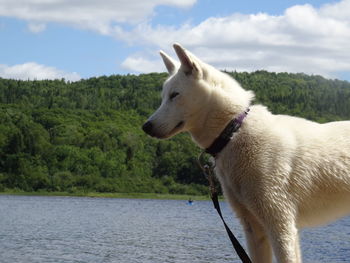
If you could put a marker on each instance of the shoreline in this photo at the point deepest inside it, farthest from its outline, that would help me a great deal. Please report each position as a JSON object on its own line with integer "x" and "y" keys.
{"x": 110, "y": 195}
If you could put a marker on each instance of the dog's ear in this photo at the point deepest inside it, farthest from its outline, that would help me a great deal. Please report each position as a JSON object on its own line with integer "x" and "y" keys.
{"x": 170, "y": 64}
{"x": 189, "y": 65}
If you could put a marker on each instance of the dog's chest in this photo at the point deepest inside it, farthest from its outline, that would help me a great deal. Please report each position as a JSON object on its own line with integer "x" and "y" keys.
{"x": 232, "y": 180}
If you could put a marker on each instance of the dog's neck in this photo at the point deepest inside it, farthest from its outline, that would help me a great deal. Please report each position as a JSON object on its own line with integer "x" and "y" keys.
{"x": 209, "y": 127}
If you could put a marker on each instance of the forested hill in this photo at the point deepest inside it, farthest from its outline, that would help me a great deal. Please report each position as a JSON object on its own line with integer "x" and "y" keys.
{"x": 86, "y": 136}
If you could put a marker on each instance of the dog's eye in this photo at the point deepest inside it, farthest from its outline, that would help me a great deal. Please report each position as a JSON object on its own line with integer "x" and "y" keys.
{"x": 173, "y": 95}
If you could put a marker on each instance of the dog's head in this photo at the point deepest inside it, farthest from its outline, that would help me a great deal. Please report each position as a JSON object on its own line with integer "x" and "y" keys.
{"x": 191, "y": 94}
{"x": 183, "y": 95}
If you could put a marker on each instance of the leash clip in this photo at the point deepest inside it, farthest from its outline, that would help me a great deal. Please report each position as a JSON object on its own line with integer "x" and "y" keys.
{"x": 208, "y": 171}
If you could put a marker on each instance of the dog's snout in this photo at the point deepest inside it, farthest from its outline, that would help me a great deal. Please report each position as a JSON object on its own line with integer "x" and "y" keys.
{"x": 147, "y": 127}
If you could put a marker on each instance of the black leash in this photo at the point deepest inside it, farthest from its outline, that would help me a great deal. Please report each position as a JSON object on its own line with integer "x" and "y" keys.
{"x": 208, "y": 172}
{"x": 219, "y": 143}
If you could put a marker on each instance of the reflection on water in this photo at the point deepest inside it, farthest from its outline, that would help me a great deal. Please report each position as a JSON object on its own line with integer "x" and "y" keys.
{"x": 102, "y": 230}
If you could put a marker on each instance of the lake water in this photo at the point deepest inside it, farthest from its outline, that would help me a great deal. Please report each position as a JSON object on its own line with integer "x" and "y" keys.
{"x": 102, "y": 230}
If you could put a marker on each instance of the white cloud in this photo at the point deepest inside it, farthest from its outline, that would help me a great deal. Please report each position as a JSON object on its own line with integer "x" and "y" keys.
{"x": 36, "y": 27}
{"x": 302, "y": 39}
{"x": 32, "y": 70}
{"x": 140, "y": 64}
{"x": 93, "y": 15}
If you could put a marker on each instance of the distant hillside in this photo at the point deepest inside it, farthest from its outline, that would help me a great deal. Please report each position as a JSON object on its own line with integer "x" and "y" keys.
{"x": 311, "y": 97}
{"x": 86, "y": 136}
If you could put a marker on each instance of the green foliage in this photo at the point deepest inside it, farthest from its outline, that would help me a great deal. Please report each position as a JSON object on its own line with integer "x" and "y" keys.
{"x": 85, "y": 136}
{"x": 311, "y": 97}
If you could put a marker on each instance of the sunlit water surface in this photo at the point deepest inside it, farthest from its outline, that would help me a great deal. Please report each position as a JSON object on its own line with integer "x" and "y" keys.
{"x": 102, "y": 230}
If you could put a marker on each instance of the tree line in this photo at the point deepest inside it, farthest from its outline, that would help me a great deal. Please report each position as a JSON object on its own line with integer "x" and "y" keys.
{"x": 57, "y": 135}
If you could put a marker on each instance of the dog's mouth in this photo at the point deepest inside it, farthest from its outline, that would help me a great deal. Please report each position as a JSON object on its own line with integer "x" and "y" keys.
{"x": 175, "y": 130}
{"x": 179, "y": 125}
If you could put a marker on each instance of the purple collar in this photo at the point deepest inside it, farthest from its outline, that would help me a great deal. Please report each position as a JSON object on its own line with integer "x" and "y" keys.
{"x": 226, "y": 135}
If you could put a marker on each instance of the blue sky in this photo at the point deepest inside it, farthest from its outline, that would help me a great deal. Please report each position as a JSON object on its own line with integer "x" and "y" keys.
{"x": 46, "y": 39}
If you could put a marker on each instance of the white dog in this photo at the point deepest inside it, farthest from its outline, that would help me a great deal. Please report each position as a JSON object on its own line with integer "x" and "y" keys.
{"x": 279, "y": 173}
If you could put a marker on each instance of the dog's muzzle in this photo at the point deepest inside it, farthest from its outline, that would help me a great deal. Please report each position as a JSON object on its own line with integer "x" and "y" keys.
{"x": 147, "y": 127}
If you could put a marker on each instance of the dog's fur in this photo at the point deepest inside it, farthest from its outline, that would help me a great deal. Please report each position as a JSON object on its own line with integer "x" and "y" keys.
{"x": 279, "y": 173}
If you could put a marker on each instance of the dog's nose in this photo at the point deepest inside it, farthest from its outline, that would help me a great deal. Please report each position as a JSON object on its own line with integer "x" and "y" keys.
{"x": 147, "y": 127}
